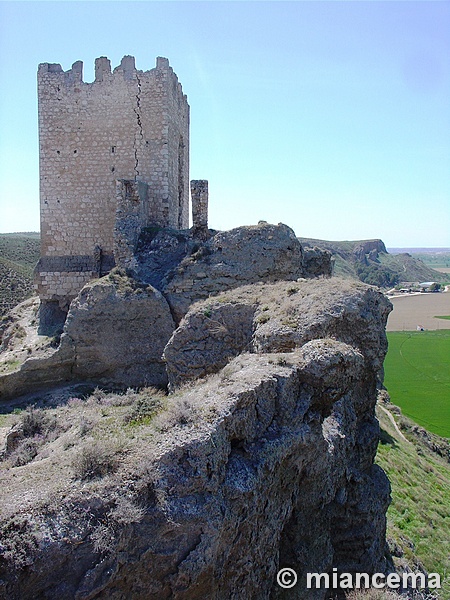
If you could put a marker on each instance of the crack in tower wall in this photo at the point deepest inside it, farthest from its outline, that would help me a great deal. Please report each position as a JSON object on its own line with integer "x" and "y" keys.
{"x": 140, "y": 133}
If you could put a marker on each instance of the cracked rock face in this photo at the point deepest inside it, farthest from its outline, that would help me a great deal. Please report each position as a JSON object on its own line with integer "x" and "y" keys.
{"x": 118, "y": 331}
{"x": 270, "y": 466}
{"x": 234, "y": 258}
{"x": 276, "y": 318}
{"x": 266, "y": 463}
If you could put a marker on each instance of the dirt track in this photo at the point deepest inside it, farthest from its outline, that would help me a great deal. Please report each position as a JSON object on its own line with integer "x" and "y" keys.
{"x": 420, "y": 310}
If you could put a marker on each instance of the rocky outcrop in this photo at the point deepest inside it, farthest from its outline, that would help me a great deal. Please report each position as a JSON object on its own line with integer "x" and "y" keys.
{"x": 267, "y": 464}
{"x": 160, "y": 251}
{"x": 114, "y": 335}
{"x": 234, "y": 258}
{"x": 54, "y": 367}
{"x": 370, "y": 248}
{"x": 317, "y": 262}
{"x": 118, "y": 330}
{"x": 276, "y": 318}
{"x": 208, "y": 337}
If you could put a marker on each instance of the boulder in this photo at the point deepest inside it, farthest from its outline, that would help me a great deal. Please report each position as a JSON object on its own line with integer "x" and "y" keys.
{"x": 118, "y": 329}
{"x": 234, "y": 258}
{"x": 276, "y": 317}
{"x": 317, "y": 262}
{"x": 207, "y": 339}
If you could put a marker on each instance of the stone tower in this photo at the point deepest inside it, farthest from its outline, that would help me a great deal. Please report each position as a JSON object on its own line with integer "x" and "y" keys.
{"x": 118, "y": 143}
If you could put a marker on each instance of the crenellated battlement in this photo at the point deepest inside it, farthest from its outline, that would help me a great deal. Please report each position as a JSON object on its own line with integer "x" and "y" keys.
{"x": 103, "y": 72}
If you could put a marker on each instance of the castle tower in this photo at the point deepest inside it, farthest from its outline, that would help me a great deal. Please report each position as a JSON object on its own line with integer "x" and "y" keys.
{"x": 127, "y": 126}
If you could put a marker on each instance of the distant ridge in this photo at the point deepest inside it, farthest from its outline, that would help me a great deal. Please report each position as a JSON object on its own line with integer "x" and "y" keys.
{"x": 418, "y": 250}
{"x": 370, "y": 262}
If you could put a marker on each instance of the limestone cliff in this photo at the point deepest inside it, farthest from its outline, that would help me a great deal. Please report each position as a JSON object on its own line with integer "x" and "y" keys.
{"x": 266, "y": 463}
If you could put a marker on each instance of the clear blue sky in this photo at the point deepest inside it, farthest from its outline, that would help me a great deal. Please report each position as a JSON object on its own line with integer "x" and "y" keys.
{"x": 330, "y": 116}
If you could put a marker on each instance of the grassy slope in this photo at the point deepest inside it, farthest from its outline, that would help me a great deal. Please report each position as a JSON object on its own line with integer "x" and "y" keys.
{"x": 410, "y": 268}
{"x": 419, "y": 516}
{"x": 417, "y": 376}
{"x": 19, "y": 252}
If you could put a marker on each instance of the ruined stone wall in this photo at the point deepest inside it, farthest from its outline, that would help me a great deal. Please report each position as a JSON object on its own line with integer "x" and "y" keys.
{"x": 199, "y": 196}
{"x": 127, "y": 124}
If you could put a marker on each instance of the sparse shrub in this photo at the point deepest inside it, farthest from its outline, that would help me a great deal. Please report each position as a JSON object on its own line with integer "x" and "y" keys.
{"x": 207, "y": 312}
{"x": 96, "y": 460}
{"x": 183, "y": 412}
{"x": 144, "y": 408}
{"x": 126, "y": 399}
{"x": 17, "y": 542}
{"x": 73, "y": 402}
{"x": 85, "y": 426}
{"x": 179, "y": 412}
{"x": 34, "y": 421}
{"x": 292, "y": 290}
{"x": 103, "y": 539}
{"x": 126, "y": 512}
{"x": 262, "y": 318}
{"x": 98, "y": 395}
{"x": 227, "y": 372}
{"x": 24, "y": 453}
{"x": 104, "y": 535}
{"x": 20, "y": 332}
{"x": 289, "y": 322}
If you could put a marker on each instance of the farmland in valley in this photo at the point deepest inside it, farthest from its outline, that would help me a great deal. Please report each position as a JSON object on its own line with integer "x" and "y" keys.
{"x": 419, "y": 310}
{"x": 417, "y": 377}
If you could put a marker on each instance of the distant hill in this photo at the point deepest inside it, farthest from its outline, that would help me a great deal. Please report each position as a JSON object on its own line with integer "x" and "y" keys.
{"x": 19, "y": 252}
{"x": 370, "y": 262}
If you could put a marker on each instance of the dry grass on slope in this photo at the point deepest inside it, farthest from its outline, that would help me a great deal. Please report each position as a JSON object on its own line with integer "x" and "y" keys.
{"x": 419, "y": 516}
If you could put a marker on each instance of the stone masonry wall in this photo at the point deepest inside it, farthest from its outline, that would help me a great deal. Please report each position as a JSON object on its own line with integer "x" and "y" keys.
{"x": 199, "y": 197}
{"x": 127, "y": 124}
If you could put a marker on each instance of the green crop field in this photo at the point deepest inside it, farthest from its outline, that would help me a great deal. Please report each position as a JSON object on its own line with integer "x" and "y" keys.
{"x": 417, "y": 377}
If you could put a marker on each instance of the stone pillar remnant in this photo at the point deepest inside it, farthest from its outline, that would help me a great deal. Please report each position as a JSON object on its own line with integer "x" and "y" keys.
{"x": 199, "y": 197}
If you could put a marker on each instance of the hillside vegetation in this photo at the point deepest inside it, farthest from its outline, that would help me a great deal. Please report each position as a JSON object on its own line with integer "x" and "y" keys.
{"x": 19, "y": 252}
{"x": 370, "y": 262}
{"x": 437, "y": 259}
{"x": 417, "y": 464}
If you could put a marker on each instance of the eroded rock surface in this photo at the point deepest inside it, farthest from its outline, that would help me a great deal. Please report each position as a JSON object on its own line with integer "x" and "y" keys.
{"x": 118, "y": 330}
{"x": 276, "y": 318}
{"x": 317, "y": 262}
{"x": 267, "y": 464}
{"x": 234, "y": 258}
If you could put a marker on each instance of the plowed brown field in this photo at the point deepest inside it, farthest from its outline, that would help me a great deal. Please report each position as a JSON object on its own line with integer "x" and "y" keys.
{"x": 419, "y": 310}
